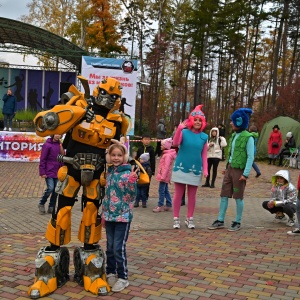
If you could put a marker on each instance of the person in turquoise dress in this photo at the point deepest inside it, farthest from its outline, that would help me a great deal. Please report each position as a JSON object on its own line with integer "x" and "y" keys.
{"x": 190, "y": 163}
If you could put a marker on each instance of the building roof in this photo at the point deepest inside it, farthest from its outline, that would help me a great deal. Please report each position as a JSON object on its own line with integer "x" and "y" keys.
{"x": 19, "y": 37}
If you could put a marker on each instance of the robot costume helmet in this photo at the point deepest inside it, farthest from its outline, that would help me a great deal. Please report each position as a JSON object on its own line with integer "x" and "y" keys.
{"x": 108, "y": 93}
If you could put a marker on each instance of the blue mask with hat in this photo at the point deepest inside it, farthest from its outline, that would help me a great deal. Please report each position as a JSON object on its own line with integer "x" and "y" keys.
{"x": 240, "y": 118}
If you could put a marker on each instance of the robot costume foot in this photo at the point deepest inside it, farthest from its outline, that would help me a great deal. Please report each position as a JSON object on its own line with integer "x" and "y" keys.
{"x": 90, "y": 270}
{"x": 52, "y": 271}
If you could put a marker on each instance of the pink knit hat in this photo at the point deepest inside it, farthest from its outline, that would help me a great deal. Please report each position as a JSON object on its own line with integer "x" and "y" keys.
{"x": 167, "y": 143}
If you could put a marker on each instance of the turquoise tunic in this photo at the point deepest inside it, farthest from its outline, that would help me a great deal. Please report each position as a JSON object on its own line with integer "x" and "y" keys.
{"x": 187, "y": 168}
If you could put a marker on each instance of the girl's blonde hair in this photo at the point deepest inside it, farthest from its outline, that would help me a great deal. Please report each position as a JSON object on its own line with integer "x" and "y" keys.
{"x": 117, "y": 146}
{"x": 120, "y": 147}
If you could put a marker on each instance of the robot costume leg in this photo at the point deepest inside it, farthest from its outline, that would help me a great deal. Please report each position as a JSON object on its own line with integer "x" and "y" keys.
{"x": 52, "y": 271}
{"x": 90, "y": 264}
{"x": 90, "y": 270}
{"x": 52, "y": 265}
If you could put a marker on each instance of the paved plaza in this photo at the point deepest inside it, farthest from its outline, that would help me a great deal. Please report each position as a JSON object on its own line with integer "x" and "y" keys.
{"x": 258, "y": 262}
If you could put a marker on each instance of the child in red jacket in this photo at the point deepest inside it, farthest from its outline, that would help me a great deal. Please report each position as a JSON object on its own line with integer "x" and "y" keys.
{"x": 164, "y": 175}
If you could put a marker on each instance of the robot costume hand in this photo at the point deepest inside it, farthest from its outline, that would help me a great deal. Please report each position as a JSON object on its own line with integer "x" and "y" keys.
{"x": 90, "y": 115}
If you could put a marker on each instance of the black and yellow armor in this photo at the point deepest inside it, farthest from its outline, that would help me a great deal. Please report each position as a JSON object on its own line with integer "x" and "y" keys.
{"x": 89, "y": 124}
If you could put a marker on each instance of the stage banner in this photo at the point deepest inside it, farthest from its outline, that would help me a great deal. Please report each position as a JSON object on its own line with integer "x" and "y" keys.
{"x": 96, "y": 69}
{"x": 34, "y": 89}
{"x": 20, "y": 146}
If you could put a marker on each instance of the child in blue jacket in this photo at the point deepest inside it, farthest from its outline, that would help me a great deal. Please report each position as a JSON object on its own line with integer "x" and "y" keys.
{"x": 143, "y": 189}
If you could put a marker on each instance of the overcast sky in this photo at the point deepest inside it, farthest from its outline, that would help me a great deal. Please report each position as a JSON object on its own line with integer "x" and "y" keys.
{"x": 13, "y": 9}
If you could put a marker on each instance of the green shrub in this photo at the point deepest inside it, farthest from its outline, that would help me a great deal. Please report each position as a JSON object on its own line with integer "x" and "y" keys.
{"x": 23, "y": 115}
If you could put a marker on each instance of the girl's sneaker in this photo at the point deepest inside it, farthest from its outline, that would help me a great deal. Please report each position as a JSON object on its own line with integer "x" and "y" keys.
{"x": 120, "y": 285}
{"x": 176, "y": 224}
{"x": 42, "y": 209}
{"x": 111, "y": 279}
{"x": 290, "y": 222}
{"x": 158, "y": 209}
{"x": 296, "y": 231}
{"x": 190, "y": 223}
{"x": 279, "y": 219}
{"x": 168, "y": 208}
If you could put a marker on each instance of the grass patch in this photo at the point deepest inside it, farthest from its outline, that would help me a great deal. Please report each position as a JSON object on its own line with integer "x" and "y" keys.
{"x": 23, "y": 115}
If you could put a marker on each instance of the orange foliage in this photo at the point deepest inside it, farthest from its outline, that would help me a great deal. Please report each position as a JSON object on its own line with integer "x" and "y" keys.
{"x": 102, "y": 34}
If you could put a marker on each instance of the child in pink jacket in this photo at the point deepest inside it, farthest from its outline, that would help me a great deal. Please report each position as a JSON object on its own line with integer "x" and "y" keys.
{"x": 164, "y": 175}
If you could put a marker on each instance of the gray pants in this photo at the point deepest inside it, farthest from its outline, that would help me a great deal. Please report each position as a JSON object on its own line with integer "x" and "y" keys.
{"x": 298, "y": 211}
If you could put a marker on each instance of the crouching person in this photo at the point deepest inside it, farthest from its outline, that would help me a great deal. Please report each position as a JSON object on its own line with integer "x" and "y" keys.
{"x": 296, "y": 231}
{"x": 283, "y": 198}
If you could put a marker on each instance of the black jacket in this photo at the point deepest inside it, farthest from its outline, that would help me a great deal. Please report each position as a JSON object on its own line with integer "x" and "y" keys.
{"x": 291, "y": 143}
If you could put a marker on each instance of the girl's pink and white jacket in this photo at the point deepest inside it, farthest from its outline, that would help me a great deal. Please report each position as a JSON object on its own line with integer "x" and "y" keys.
{"x": 164, "y": 171}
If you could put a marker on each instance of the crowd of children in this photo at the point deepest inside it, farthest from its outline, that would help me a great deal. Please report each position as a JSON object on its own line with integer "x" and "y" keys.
{"x": 184, "y": 159}
{"x": 178, "y": 164}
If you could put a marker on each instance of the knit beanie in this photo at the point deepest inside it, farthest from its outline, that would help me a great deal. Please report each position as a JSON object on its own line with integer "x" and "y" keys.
{"x": 196, "y": 113}
{"x": 145, "y": 157}
{"x": 289, "y": 135}
{"x": 167, "y": 143}
{"x": 240, "y": 118}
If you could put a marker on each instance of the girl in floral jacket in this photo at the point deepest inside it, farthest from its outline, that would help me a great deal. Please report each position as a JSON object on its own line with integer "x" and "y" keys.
{"x": 117, "y": 214}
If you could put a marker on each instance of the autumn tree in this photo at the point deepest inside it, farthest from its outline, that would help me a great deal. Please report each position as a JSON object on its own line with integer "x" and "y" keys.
{"x": 52, "y": 15}
{"x": 83, "y": 17}
{"x": 224, "y": 54}
{"x": 91, "y": 24}
{"x": 102, "y": 33}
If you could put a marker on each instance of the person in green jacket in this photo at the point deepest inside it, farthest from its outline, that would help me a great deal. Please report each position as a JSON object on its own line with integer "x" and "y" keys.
{"x": 255, "y": 134}
{"x": 239, "y": 164}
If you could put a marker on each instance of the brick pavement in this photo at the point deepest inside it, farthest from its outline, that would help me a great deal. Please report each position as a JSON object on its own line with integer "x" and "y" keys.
{"x": 258, "y": 262}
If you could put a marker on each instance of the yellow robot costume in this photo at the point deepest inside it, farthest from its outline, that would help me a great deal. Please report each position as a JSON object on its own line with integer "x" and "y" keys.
{"x": 89, "y": 125}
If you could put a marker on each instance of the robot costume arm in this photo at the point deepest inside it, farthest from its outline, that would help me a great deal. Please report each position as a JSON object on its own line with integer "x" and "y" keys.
{"x": 63, "y": 117}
